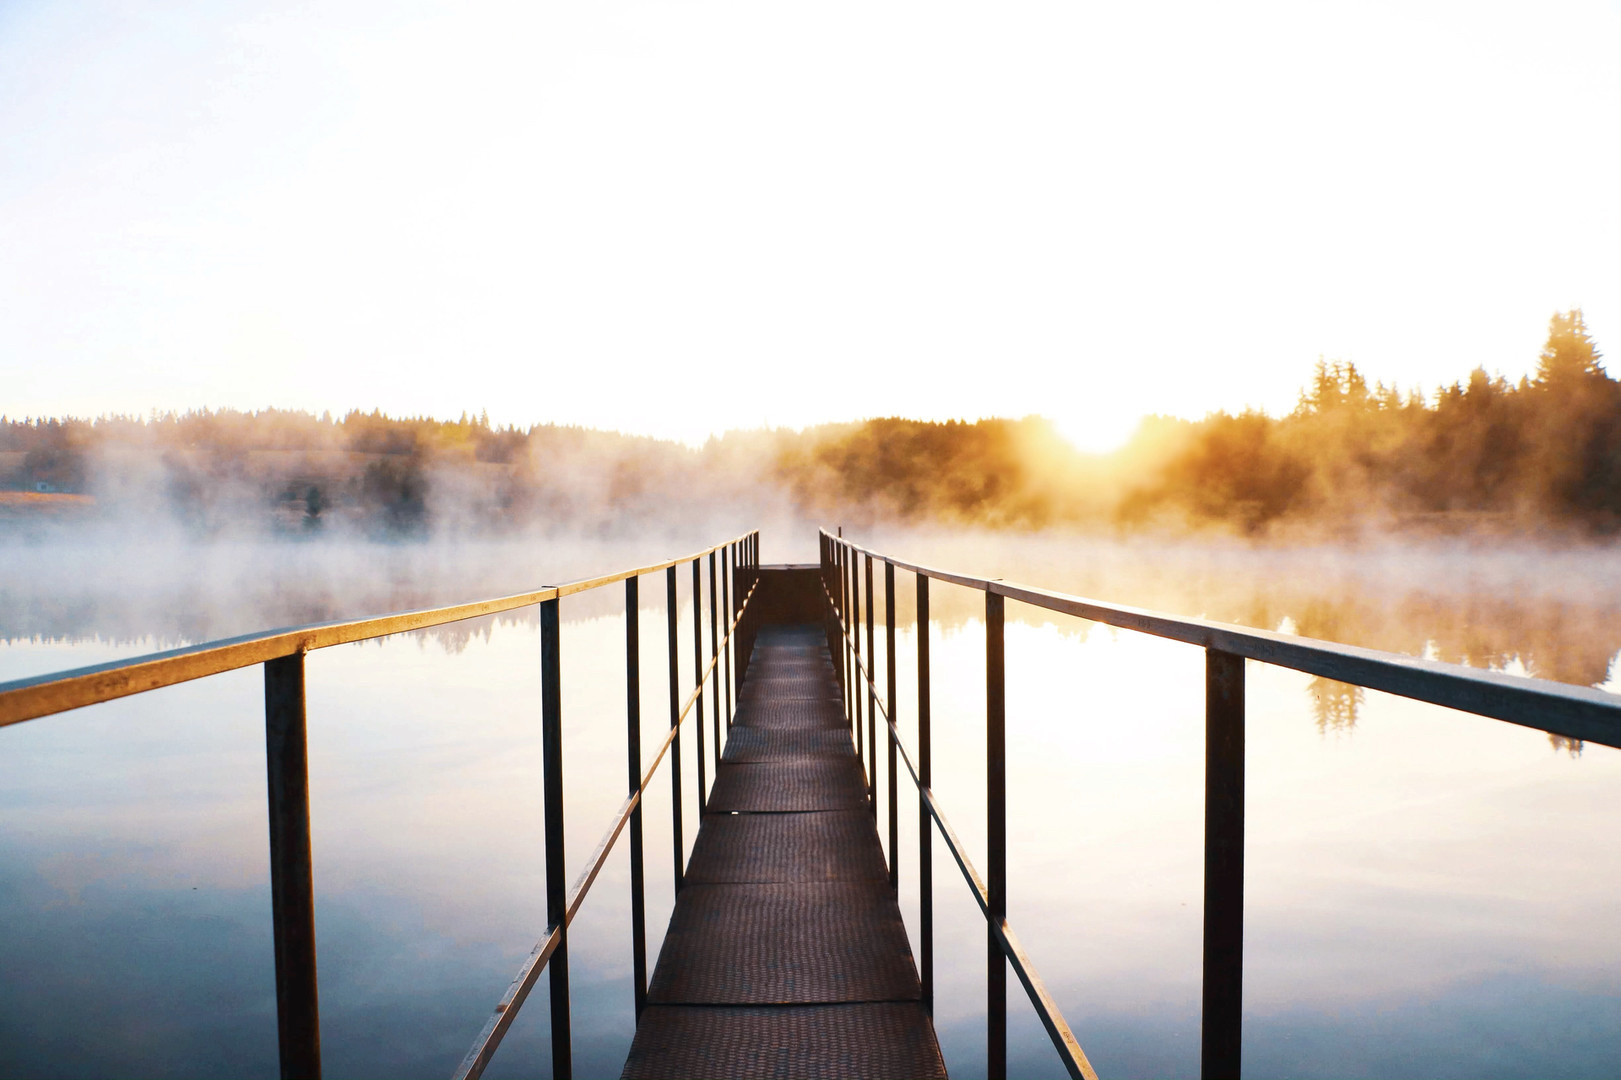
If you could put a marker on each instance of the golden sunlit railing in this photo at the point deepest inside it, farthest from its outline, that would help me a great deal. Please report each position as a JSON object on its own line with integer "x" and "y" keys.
{"x": 733, "y": 575}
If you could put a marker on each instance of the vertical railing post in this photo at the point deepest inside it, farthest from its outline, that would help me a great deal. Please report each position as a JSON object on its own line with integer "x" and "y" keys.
{"x": 844, "y": 640}
{"x": 836, "y": 591}
{"x": 925, "y": 827}
{"x": 996, "y": 839}
{"x": 675, "y": 721}
{"x": 292, "y": 877}
{"x": 731, "y": 615}
{"x": 1221, "y": 1029}
{"x": 740, "y": 597}
{"x": 551, "y": 742}
{"x": 748, "y": 618}
{"x": 872, "y": 699}
{"x": 698, "y": 678}
{"x": 714, "y": 658}
{"x": 735, "y": 585}
{"x": 633, "y": 750}
{"x": 745, "y": 639}
{"x": 894, "y": 722}
{"x": 835, "y": 643}
{"x": 843, "y": 623}
{"x": 756, "y": 578}
{"x": 821, "y": 576}
{"x": 855, "y": 669}
{"x": 827, "y": 587}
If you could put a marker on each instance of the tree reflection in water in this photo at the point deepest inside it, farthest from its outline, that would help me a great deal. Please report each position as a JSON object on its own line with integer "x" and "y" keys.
{"x": 1334, "y": 704}
{"x": 1544, "y": 610}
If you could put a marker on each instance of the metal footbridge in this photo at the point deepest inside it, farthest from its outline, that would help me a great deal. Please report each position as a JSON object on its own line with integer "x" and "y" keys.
{"x": 786, "y": 955}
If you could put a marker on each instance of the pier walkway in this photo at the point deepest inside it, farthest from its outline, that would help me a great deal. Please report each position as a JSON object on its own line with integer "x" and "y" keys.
{"x": 786, "y": 955}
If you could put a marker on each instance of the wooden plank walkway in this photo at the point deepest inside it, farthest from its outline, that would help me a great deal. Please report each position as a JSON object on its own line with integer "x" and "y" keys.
{"x": 786, "y": 956}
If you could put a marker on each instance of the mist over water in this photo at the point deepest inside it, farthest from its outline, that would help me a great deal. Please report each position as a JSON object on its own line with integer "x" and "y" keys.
{"x": 230, "y": 207}
{"x": 1543, "y": 610}
{"x": 173, "y": 590}
{"x": 1426, "y": 894}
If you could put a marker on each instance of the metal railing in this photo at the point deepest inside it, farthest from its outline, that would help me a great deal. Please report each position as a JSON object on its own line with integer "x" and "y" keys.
{"x": 847, "y": 580}
{"x": 732, "y": 575}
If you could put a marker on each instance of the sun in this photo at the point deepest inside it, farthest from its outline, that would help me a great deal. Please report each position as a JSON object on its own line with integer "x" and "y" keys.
{"x": 1098, "y": 432}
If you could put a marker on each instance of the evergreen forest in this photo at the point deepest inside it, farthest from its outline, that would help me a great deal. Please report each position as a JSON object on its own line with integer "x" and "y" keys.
{"x": 1483, "y": 455}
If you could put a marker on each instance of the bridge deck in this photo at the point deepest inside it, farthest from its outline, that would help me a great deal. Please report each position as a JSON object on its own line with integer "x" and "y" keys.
{"x": 786, "y": 955}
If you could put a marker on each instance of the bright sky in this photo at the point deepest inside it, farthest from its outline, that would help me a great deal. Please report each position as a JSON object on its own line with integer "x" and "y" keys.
{"x": 676, "y": 218}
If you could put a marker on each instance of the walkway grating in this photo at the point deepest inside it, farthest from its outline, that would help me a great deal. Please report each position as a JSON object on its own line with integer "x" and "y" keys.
{"x": 786, "y": 955}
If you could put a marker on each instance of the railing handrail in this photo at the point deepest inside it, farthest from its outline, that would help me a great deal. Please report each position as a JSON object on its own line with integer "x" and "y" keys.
{"x": 489, "y": 1039}
{"x": 1572, "y": 711}
{"x": 44, "y": 695}
{"x": 1575, "y": 712}
{"x": 281, "y": 653}
{"x": 1058, "y": 1029}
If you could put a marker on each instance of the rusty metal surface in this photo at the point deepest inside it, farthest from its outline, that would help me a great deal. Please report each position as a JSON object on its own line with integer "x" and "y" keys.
{"x": 887, "y": 1040}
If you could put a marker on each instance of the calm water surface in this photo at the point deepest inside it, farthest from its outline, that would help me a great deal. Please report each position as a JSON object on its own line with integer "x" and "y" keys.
{"x": 1427, "y": 893}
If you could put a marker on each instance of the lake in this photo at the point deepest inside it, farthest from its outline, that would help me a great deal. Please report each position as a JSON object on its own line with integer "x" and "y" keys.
{"x": 1427, "y": 892}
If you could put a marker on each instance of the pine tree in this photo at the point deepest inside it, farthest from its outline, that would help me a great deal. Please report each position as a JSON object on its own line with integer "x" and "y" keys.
{"x": 1570, "y": 357}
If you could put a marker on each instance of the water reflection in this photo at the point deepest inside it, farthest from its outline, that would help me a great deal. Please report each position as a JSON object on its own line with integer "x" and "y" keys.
{"x": 1389, "y": 877}
{"x": 134, "y": 878}
{"x": 1573, "y": 747}
{"x": 1548, "y": 612}
{"x": 1334, "y": 704}
{"x": 1426, "y": 895}
{"x": 180, "y": 593}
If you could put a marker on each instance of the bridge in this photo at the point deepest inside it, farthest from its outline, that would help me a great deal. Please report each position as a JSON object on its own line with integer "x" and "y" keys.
{"x": 786, "y": 955}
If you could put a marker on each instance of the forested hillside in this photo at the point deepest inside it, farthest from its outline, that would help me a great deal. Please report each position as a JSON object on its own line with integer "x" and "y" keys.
{"x": 1482, "y": 454}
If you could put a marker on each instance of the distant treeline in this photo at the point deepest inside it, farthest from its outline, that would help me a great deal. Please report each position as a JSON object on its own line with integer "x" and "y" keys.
{"x": 1543, "y": 451}
{"x": 222, "y": 471}
{"x": 1482, "y": 453}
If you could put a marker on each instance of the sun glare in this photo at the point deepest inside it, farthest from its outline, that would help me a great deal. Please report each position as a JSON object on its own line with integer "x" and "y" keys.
{"x": 1097, "y": 433}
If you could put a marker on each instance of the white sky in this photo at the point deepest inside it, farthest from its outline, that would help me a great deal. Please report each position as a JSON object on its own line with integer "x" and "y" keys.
{"x": 676, "y": 218}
